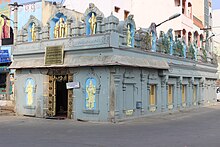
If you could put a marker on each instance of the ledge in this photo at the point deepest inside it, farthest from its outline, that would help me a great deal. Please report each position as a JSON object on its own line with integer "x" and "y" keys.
{"x": 91, "y": 111}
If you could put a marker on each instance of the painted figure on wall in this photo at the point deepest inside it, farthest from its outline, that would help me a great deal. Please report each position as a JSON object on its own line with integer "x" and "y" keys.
{"x": 29, "y": 90}
{"x": 90, "y": 94}
{"x": 92, "y": 22}
{"x": 56, "y": 30}
{"x": 33, "y": 32}
{"x": 5, "y": 29}
{"x": 129, "y": 36}
{"x": 60, "y": 29}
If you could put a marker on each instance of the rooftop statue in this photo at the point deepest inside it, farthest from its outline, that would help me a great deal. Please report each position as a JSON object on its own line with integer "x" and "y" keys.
{"x": 153, "y": 34}
{"x": 56, "y": 30}
{"x": 92, "y": 22}
{"x": 33, "y": 32}
{"x": 129, "y": 36}
{"x": 62, "y": 28}
{"x": 169, "y": 35}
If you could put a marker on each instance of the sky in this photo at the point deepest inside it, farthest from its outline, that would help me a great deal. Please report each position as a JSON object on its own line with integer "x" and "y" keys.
{"x": 215, "y": 4}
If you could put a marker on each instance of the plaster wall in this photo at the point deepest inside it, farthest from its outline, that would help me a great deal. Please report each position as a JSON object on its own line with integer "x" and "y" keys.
{"x": 20, "y": 91}
{"x": 102, "y": 77}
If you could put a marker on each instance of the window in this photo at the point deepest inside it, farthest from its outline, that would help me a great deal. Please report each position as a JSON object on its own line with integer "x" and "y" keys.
{"x": 183, "y": 94}
{"x": 170, "y": 95}
{"x": 117, "y": 9}
{"x": 126, "y": 13}
{"x": 2, "y": 80}
{"x": 152, "y": 95}
{"x": 177, "y": 3}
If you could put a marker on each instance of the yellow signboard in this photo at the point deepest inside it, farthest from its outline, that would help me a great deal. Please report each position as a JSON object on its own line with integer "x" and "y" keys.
{"x": 53, "y": 55}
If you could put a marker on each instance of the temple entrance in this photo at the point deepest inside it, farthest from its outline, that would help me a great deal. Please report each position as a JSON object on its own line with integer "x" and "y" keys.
{"x": 59, "y": 98}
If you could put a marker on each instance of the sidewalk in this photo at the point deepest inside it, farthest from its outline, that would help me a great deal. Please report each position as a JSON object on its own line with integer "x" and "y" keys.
{"x": 175, "y": 115}
{"x": 7, "y": 111}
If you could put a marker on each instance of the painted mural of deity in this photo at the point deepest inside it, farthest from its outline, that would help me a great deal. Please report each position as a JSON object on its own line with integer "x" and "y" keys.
{"x": 90, "y": 94}
{"x": 29, "y": 90}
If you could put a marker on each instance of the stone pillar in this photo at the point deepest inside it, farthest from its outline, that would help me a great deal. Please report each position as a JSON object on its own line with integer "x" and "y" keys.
{"x": 15, "y": 23}
{"x": 25, "y": 35}
{"x": 164, "y": 84}
{"x": 8, "y": 86}
{"x": 38, "y": 34}
{"x": 117, "y": 90}
{"x": 112, "y": 96}
{"x": 125, "y": 36}
{"x": 190, "y": 91}
{"x": 20, "y": 37}
{"x": 68, "y": 28}
{"x": 82, "y": 29}
{"x": 70, "y": 104}
{"x": 201, "y": 91}
{"x": 99, "y": 21}
{"x": 179, "y": 94}
{"x": 45, "y": 32}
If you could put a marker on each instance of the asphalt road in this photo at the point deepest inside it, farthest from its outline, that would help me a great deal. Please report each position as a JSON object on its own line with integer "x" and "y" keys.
{"x": 190, "y": 128}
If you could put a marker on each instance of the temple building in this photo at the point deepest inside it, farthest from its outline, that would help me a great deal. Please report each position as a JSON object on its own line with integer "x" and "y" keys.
{"x": 97, "y": 68}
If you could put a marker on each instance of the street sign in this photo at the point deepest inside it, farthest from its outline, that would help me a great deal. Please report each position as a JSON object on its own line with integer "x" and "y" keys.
{"x": 4, "y": 56}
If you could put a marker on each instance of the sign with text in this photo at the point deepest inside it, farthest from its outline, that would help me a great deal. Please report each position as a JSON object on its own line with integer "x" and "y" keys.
{"x": 72, "y": 85}
{"x": 53, "y": 55}
{"x": 4, "y": 56}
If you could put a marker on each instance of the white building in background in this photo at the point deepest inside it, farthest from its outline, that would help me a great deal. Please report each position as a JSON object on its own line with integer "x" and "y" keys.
{"x": 216, "y": 31}
{"x": 186, "y": 27}
{"x": 120, "y": 8}
{"x": 216, "y": 38}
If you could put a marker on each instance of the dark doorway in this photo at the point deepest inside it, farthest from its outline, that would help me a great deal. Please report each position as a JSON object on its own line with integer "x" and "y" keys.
{"x": 61, "y": 96}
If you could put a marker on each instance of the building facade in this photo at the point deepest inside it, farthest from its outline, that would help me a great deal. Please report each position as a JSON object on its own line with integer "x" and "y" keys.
{"x": 216, "y": 38}
{"x": 6, "y": 42}
{"x": 103, "y": 69}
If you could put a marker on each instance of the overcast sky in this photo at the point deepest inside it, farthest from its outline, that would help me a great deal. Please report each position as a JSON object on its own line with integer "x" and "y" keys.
{"x": 215, "y": 4}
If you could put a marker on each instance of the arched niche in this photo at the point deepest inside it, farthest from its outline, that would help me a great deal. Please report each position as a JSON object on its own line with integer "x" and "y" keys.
{"x": 56, "y": 20}
{"x": 92, "y": 10}
{"x": 129, "y": 23}
{"x": 64, "y": 18}
{"x": 38, "y": 27}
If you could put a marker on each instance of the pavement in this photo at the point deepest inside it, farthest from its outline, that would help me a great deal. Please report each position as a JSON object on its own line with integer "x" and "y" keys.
{"x": 169, "y": 115}
{"x": 194, "y": 127}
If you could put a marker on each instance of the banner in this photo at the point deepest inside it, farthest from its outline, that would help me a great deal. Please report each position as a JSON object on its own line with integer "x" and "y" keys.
{"x": 5, "y": 19}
